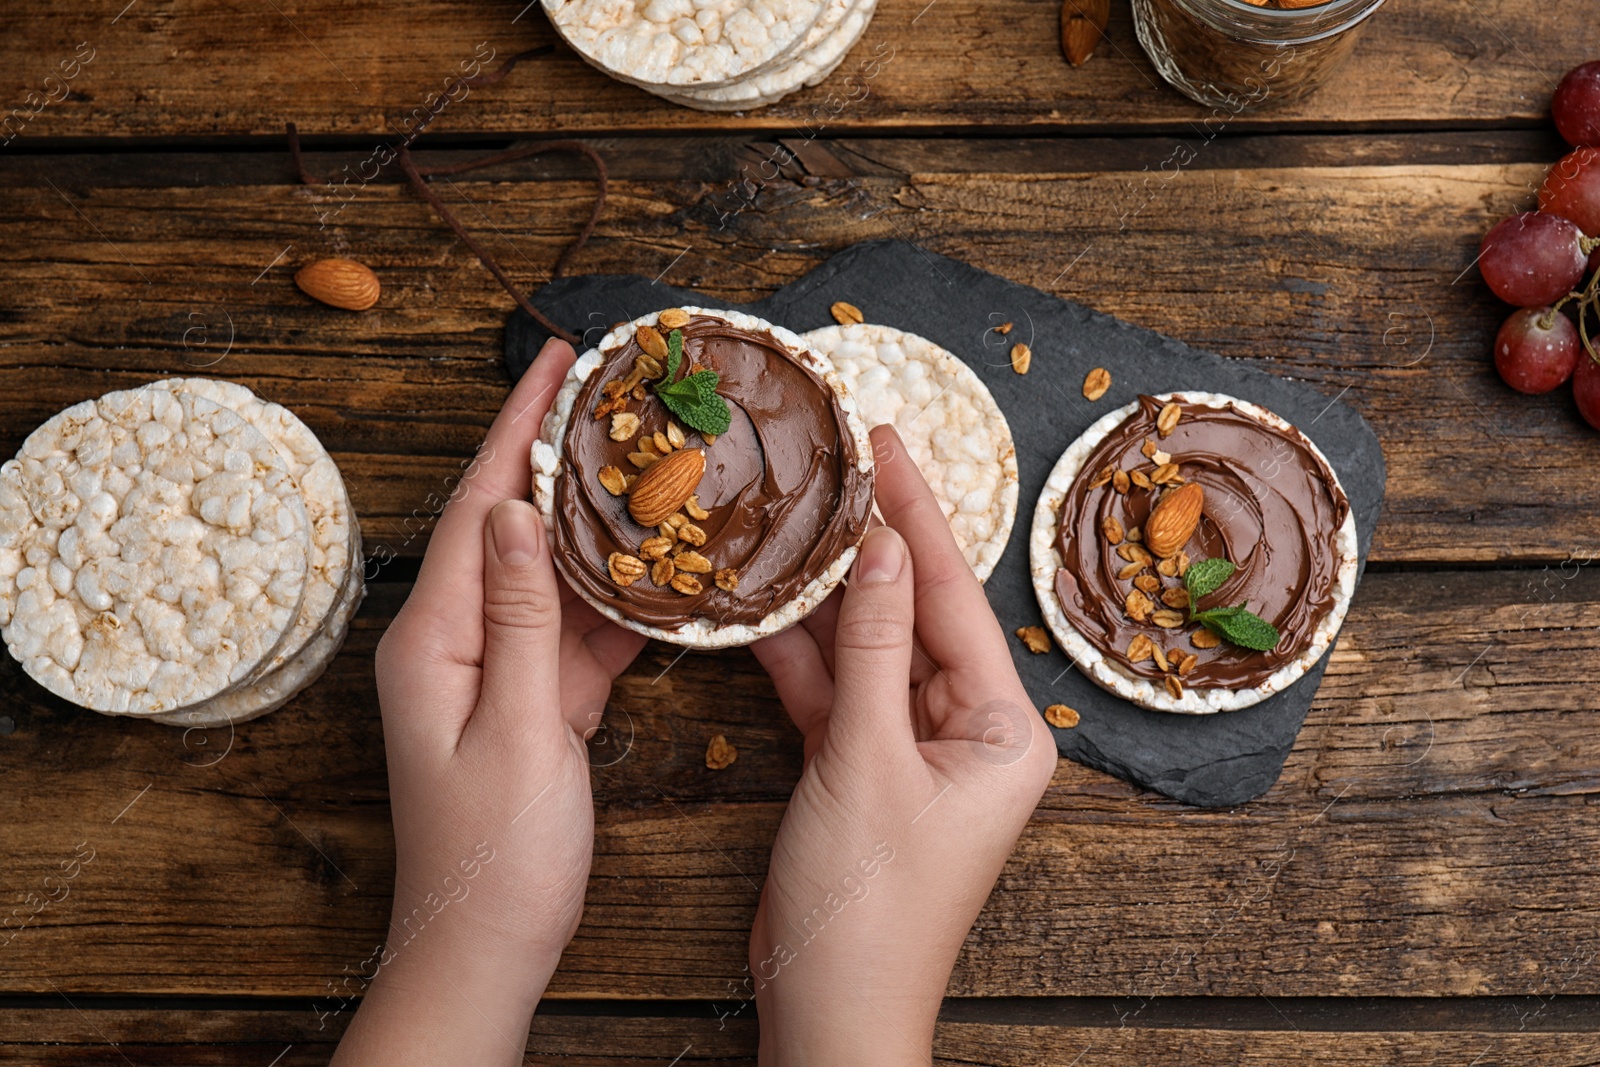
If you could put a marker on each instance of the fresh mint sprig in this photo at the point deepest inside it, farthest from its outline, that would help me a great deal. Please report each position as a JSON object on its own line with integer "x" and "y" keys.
{"x": 1234, "y": 625}
{"x": 694, "y": 398}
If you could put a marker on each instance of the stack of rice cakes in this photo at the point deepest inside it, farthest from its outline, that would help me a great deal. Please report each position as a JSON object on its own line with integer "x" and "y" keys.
{"x": 184, "y": 552}
{"x": 714, "y": 55}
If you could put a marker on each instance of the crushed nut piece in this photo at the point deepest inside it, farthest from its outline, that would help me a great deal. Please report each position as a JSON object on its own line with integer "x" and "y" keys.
{"x": 1130, "y": 571}
{"x": 1112, "y": 529}
{"x": 1159, "y": 458}
{"x": 655, "y": 548}
{"x": 1189, "y": 660}
{"x": 614, "y": 480}
{"x": 642, "y": 460}
{"x": 1134, "y": 552}
{"x": 649, "y": 367}
{"x": 1119, "y": 481}
{"x": 720, "y": 754}
{"x": 647, "y": 445}
{"x": 639, "y": 392}
{"x": 692, "y": 506}
{"x": 663, "y": 445}
{"x": 650, "y": 341}
{"x": 1140, "y": 649}
{"x": 1148, "y": 583}
{"x": 625, "y": 569}
{"x": 1168, "y": 620}
{"x": 1165, "y": 474}
{"x": 1060, "y": 716}
{"x": 1138, "y": 606}
{"x": 624, "y": 425}
{"x": 1182, "y": 564}
{"x": 709, "y": 438}
{"x": 663, "y": 571}
{"x": 1035, "y": 638}
{"x": 1203, "y": 638}
{"x": 1174, "y": 687}
{"x": 1004, "y": 328}
{"x": 675, "y": 436}
{"x": 673, "y": 318}
{"x": 628, "y": 480}
{"x": 1167, "y": 421}
{"x": 1096, "y": 383}
{"x": 846, "y": 314}
{"x": 1168, "y": 567}
{"x": 1135, "y": 533}
{"x": 1103, "y": 477}
{"x": 692, "y": 534}
{"x": 1021, "y": 358}
{"x": 692, "y": 562}
{"x": 687, "y": 584}
{"x": 1160, "y": 657}
{"x": 727, "y": 579}
{"x": 1175, "y": 598}
{"x": 1141, "y": 479}
{"x": 613, "y": 389}
{"x": 1147, "y": 449}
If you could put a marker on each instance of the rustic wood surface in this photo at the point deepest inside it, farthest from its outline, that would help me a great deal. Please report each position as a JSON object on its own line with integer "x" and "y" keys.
{"x": 1417, "y": 888}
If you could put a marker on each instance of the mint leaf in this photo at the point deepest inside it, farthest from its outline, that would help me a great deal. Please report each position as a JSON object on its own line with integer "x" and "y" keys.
{"x": 696, "y": 402}
{"x": 1240, "y": 627}
{"x": 1203, "y": 578}
{"x": 674, "y": 355}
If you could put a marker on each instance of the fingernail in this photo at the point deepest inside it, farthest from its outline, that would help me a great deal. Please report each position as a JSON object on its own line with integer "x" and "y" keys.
{"x": 514, "y": 526}
{"x": 883, "y": 556}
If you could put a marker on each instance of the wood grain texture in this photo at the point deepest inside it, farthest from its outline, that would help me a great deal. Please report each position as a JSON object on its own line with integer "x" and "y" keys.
{"x": 1356, "y": 279}
{"x": 46, "y": 1037}
{"x": 1432, "y": 833}
{"x": 166, "y": 70}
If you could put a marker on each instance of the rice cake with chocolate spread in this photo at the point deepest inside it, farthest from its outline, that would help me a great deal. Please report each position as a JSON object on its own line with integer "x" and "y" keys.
{"x": 1272, "y": 506}
{"x": 785, "y": 493}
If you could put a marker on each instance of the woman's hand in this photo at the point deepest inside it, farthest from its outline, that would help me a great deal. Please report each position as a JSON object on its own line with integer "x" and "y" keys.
{"x": 490, "y": 678}
{"x": 924, "y": 759}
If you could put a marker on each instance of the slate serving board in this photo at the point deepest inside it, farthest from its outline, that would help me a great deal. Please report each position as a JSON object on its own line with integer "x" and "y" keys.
{"x": 1209, "y": 760}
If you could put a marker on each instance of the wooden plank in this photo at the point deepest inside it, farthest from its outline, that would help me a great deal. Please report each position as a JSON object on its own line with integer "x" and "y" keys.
{"x": 1428, "y": 837}
{"x": 205, "y": 69}
{"x": 1345, "y": 277}
{"x": 44, "y": 1037}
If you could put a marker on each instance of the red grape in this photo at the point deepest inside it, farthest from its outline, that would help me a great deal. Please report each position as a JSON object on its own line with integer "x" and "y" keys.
{"x": 1536, "y": 350}
{"x": 1586, "y": 390}
{"x": 1576, "y": 105}
{"x": 1533, "y": 259}
{"x": 1572, "y": 189}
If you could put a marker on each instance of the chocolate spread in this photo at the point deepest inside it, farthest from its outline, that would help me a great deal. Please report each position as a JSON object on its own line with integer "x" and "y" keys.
{"x": 1271, "y": 507}
{"x": 783, "y": 488}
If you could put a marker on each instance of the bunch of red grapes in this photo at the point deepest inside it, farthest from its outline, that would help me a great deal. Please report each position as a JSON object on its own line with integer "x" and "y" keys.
{"x": 1537, "y": 260}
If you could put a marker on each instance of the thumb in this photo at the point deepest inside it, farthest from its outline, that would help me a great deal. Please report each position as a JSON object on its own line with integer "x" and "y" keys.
{"x": 521, "y": 616}
{"x": 873, "y": 647}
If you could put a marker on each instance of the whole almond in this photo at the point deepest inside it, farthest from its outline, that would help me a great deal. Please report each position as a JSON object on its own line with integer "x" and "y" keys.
{"x": 1174, "y": 519}
{"x": 1083, "y": 23}
{"x": 664, "y": 486}
{"x": 340, "y": 283}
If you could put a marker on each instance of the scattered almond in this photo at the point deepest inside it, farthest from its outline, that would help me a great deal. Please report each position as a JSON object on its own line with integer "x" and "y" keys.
{"x": 340, "y": 283}
{"x": 1035, "y": 638}
{"x": 1203, "y": 638}
{"x": 663, "y": 571}
{"x": 687, "y": 584}
{"x": 727, "y": 579}
{"x": 664, "y": 486}
{"x": 1021, "y": 358}
{"x": 720, "y": 754}
{"x": 625, "y": 569}
{"x": 1060, "y": 716}
{"x": 1167, "y": 420}
{"x": 846, "y": 314}
{"x": 673, "y": 318}
{"x": 1096, "y": 383}
{"x": 615, "y": 482}
{"x": 652, "y": 344}
{"x": 1083, "y": 23}
{"x": 1112, "y": 529}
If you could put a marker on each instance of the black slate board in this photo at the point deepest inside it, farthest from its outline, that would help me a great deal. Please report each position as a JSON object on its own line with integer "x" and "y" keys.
{"x": 1209, "y": 761}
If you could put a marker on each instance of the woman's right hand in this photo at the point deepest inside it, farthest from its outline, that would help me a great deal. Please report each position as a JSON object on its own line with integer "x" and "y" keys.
{"x": 924, "y": 759}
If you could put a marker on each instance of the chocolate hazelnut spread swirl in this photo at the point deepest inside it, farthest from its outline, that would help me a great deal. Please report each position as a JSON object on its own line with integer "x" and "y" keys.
{"x": 783, "y": 487}
{"x": 1272, "y": 508}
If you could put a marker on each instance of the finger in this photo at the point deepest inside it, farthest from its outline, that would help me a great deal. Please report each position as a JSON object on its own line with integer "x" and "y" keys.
{"x": 521, "y": 621}
{"x": 820, "y": 624}
{"x": 954, "y": 621}
{"x": 797, "y": 669}
{"x": 451, "y": 579}
{"x": 872, "y": 649}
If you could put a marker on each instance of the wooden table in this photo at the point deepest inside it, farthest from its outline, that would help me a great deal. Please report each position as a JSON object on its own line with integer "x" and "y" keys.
{"x": 1418, "y": 888}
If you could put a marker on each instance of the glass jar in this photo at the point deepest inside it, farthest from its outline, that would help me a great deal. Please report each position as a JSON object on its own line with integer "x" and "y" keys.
{"x": 1235, "y": 55}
